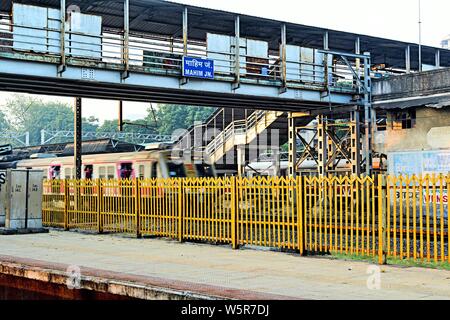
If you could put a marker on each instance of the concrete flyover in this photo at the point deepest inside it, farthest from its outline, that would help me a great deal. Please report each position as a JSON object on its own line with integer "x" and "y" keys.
{"x": 429, "y": 89}
{"x": 161, "y": 269}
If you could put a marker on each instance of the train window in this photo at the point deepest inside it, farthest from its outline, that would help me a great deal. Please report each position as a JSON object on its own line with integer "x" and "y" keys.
{"x": 67, "y": 173}
{"x": 176, "y": 170}
{"x": 55, "y": 172}
{"x": 102, "y": 172}
{"x": 204, "y": 170}
{"x": 88, "y": 171}
{"x": 126, "y": 170}
{"x": 141, "y": 171}
{"x": 110, "y": 172}
{"x": 154, "y": 169}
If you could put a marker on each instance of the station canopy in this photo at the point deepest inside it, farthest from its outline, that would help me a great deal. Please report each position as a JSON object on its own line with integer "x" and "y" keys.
{"x": 165, "y": 18}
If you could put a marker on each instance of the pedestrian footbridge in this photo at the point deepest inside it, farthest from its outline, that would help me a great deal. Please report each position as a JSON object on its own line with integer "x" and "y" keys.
{"x": 128, "y": 51}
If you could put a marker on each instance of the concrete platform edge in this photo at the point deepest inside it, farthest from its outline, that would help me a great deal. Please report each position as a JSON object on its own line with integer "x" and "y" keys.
{"x": 133, "y": 286}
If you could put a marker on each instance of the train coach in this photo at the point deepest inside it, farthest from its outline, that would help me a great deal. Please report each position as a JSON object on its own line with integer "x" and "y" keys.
{"x": 142, "y": 165}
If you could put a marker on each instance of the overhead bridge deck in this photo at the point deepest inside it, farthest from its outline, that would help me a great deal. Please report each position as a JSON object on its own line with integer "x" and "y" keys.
{"x": 134, "y": 50}
{"x": 121, "y": 50}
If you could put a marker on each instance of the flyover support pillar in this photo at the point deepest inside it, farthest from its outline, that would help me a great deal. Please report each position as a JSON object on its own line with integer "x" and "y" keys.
{"x": 322, "y": 146}
{"x": 355, "y": 145}
{"x": 120, "y": 121}
{"x": 77, "y": 137}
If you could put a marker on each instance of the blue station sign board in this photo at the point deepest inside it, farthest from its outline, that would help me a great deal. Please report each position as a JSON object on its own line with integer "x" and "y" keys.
{"x": 198, "y": 68}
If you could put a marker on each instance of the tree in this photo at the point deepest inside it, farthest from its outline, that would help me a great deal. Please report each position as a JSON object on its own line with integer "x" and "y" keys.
{"x": 31, "y": 114}
{"x": 172, "y": 117}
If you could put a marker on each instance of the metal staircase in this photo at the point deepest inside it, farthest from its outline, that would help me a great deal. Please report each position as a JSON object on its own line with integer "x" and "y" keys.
{"x": 226, "y": 129}
{"x": 242, "y": 132}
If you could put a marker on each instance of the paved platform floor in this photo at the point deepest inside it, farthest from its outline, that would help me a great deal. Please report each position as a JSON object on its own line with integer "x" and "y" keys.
{"x": 264, "y": 272}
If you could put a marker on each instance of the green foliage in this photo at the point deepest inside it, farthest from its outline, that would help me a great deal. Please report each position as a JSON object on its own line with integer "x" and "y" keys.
{"x": 32, "y": 114}
{"x": 172, "y": 117}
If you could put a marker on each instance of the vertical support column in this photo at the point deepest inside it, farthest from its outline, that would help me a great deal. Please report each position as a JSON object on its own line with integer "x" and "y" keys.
{"x": 237, "y": 51}
{"x": 62, "y": 38}
{"x": 77, "y": 137}
{"x": 357, "y": 51}
{"x": 241, "y": 154}
{"x": 330, "y": 148}
{"x": 368, "y": 115}
{"x": 185, "y": 31}
{"x": 326, "y": 41}
{"x": 292, "y": 145}
{"x": 355, "y": 142}
{"x": 322, "y": 146}
{"x": 184, "y": 80}
{"x": 283, "y": 71}
{"x": 126, "y": 39}
{"x": 327, "y": 78}
{"x": 408, "y": 59}
{"x": 438, "y": 59}
{"x": 120, "y": 124}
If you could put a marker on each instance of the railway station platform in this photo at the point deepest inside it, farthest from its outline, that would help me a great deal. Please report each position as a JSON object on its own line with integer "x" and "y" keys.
{"x": 163, "y": 269}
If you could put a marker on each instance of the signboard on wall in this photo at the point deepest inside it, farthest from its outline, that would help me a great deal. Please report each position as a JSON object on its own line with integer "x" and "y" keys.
{"x": 422, "y": 163}
{"x": 419, "y": 162}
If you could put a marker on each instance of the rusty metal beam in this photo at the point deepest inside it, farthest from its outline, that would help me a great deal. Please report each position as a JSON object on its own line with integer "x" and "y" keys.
{"x": 78, "y": 137}
{"x": 120, "y": 120}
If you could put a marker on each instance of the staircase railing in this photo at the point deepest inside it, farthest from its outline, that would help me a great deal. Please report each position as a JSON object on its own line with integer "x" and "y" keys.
{"x": 239, "y": 127}
{"x": 235, "y": 128}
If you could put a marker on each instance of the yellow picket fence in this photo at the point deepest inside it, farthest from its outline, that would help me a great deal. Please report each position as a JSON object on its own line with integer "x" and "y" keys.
{"x": 379, "y": 216}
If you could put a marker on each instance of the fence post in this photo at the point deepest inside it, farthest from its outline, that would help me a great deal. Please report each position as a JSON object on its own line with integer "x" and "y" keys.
{"x": 66, "y": 205}
{"x": 382, "y": 232}
{"x": 99, "y": 206}
{"x": 300, "y": 233}
{"x": 234, "y": 240}
{"x": 137, "y": 209}
{"x": 180, "y": 209}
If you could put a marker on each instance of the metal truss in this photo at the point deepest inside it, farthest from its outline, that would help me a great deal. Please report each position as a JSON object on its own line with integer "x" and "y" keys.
{"x": 23, "y": 138}
{"x": 334, "y": 145}
{"x": 138, "y": 138}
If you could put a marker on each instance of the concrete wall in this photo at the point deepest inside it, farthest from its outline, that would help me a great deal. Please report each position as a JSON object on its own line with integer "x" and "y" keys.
{"x": 431, "y": 132}
{"x": 410, "y": 85}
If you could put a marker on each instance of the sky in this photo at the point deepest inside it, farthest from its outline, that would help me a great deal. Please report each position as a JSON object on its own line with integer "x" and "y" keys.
{"x": 394, "y": 19}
